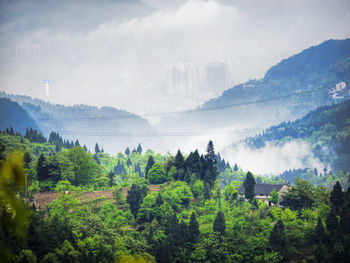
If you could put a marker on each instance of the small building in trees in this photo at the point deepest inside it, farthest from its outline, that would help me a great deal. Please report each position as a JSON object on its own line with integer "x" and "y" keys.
{"x": 263, "y": 191}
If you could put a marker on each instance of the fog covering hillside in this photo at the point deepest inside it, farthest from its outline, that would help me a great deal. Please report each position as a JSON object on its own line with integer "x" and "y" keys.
{"x": 326, "y": 130}
{"x": 112, "y": 128}
{"x": 13, "y": 115}
{"x": 317, "y": 76}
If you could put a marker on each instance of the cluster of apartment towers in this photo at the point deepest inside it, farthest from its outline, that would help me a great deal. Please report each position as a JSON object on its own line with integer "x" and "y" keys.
{"x": 188, "y": 79}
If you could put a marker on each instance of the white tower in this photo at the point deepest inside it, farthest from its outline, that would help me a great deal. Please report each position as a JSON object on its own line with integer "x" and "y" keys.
{"x": 46, "y": 84}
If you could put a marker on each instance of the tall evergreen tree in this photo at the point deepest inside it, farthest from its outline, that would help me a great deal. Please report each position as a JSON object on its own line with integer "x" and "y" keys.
{"x": 332, "y": 222}
{"x": 97, "y": 148}
{"x": 137, "y": 169}
{"x": 128, "y": 162}
{"x": 210, "y": 165}
{"x": 42, "y": 169}
{"x": 111, "y": 178}
{"x": 77, "y": 143}
{"x": 319, "y": 230}
{"x": 184, "y": 232}
{"x": 194, "y": 229}
{"x": 207, "y": 191}
{"x": 159, "y": 200}
{"x": 179, "y": 160}
{"x": 337, "y": 197}
{"x": 149, "y": 165}
{"x": 219, "y": 223}
{"x": 139, "y": 149}
{"x": 249, "y": 184}
{"x": 127, "y": 151}
{"x": 26, "y": 160}
{"x": 134, "y": 198}
{"x": 235, "y": 168}
{"x": 277, "y": 236}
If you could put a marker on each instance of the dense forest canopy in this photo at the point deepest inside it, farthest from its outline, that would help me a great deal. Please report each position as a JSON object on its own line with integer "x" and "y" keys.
{"x": 182, "y": 208}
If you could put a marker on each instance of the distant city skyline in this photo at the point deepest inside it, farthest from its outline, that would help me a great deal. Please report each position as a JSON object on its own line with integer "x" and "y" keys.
{"x": 114, "y": 53}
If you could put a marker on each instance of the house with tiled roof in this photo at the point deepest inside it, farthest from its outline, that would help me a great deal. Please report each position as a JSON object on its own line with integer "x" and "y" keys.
{"x": 263, "y": 191}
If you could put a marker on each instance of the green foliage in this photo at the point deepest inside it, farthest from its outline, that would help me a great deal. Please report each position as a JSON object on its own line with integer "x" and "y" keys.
{"x": 197, "y": 188}
{"x": 337, "y": 197}
{"x": 149, "y": 165}
{"x": 274, "y": 196}
{"x": 86, "y": 170}
{"x": 176, "y": 223}
{"x": 156, "y": 175}
{"x": 193, "y": 229}
{"x": 277, "y": 237}
{"x": 135, "y": 197}
{"x": 231, "y": 190}
{"x": 299, "y": 195}
{"x": 14, "y": 215}
{"x": 219, "y": 223}
{"x": 249, "y": 184}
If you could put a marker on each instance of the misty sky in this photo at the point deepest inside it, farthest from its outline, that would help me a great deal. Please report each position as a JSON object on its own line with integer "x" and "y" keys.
{"x": 114, "y": 52}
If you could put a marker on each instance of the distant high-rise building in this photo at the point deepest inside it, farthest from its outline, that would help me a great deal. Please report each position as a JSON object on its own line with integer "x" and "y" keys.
{"x": 183, "y": 79}
{"x": 218, "y": 76}
{"x": 46, "y": 84}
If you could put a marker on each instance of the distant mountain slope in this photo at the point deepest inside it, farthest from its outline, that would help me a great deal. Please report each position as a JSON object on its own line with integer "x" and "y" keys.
{"x": 327, "y": 129}
{"x": 310, "y": 76}
{"x": 13, "y": 115}
{"x": 88, "y": 123}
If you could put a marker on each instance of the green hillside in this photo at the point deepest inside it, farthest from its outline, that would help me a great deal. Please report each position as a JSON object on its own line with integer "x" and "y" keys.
{"x": 196, "y": 215}
{"x": 13, "y": 115}
{"x": 327, "y": 129}
{"x": 306, "y": 78}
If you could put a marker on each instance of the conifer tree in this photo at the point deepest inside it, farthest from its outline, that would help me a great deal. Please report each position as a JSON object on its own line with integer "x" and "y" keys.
{"x": 128, "y": 162}
{"x": 179, "y": 160}
{"x": 57, "y": 148}
{"x": 277, "y": 236}
{"x": 26, "y": 160}
{"x": 159, "y": 200}
{"x": 337, "y": 197}
{"x": 127, "y": 151}
{"x": 77, "y": 143}
{"x": 97, "y": 148}
{"x": 149, "y": 165}
{"x": 184, "y": 233}
{"x": 207, "y": 191}
{"x": 235, "y": 168}
{"x": 219, "y": 223}
{"x": 332, "y": 222}
{"x": 249, "y": 184}
{"x": 319, "y": 230}
{"x": 134, "y": 198}
{"x": 111, "y": 178}
{"x": 42, "y": 169}
{"x": 194, "y": 229}
{"x": 139, "y": 149}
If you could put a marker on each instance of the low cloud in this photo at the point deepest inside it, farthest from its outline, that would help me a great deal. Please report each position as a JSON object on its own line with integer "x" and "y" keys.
{"x": 273, "y": 159}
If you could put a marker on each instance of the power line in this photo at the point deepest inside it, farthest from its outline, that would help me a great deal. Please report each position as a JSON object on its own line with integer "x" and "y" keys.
{"x": 130, "y": 115}
{"x": 161, "y": 134}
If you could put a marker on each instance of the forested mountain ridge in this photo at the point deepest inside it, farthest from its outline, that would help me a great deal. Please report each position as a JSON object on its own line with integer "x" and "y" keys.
{"x": 327, "y": 129}
{"x": 15, "y": 116}
{"x": 84, "y": 122}
{"x": 317, "y": 76}
{"x": 310, "y": 76}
